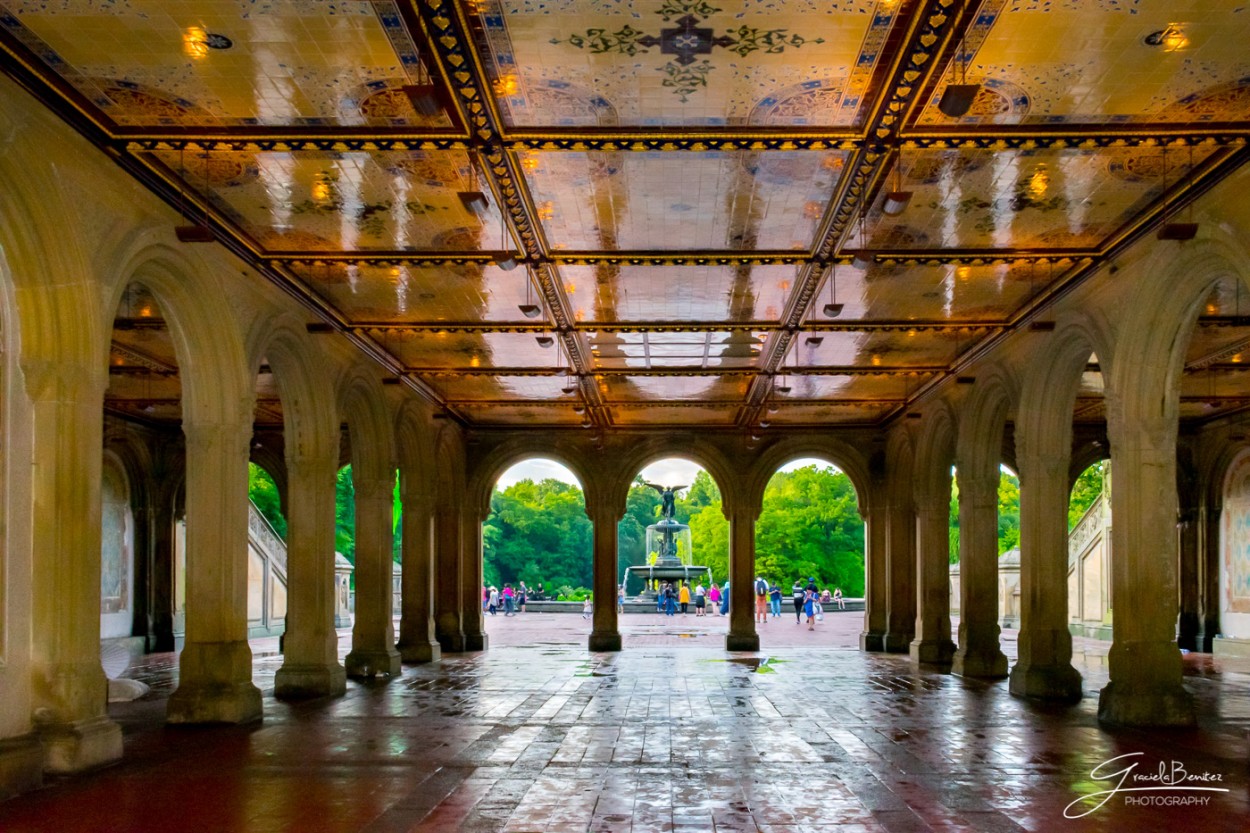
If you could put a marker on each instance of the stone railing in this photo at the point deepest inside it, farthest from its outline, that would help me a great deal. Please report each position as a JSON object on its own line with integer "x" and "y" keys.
{"x": 1090, "y": 525}
{"x": 265, "y": 539}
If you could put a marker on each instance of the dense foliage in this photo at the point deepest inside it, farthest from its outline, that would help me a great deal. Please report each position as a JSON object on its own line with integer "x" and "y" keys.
{"x": 1085, "y": 491}
{"x": 537, "y": 533}
{"x": 264, "y": 493}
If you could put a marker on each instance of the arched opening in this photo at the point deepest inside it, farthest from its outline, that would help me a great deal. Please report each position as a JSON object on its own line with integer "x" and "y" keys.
{"x": 537, "y": 566}
{"x": 673, "y": 554}
{"x": 117, "y": 540}
{"x": 1089, "y": 552}
{"x": 1008, "y": 522}
{"x": 809, "y": 554}
{"x": 345, "y": 535}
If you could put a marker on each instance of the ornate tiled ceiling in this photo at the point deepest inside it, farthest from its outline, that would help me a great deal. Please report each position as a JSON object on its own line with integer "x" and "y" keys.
{"x": 674, "y": 189}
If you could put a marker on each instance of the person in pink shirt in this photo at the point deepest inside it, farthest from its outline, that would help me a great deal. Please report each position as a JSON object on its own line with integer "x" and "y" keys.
{"x": 509, "y": 598}
{"x": 713, "y": 596}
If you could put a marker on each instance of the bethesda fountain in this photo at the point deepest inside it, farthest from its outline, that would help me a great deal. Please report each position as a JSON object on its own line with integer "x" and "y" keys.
{"x": 670, "y": 541}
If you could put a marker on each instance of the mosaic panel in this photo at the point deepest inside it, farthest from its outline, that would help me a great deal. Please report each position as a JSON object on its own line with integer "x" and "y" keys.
{"x": 444, "y": 350}
{"x": 891, "y": 348}
{"x": 824, "y": 413}
{"x": 624, "y": 293}
{"x": 629, "y": 416}
{"x": 931, "y": 293}
{"x": 732, "y": 200}
{"x": 521, "y": 414}
{"x": 1023, "y": 199}
{"x": 228, "y": 62}
{"x": 659, "y": 350}
{"x": 674, "y": 388}
{"x": 345, "y": 201}
{"x": 491, "y": 388}
{"x": 589, "y": 63}
{"x": 405, "y": 293}
{"x": 834, "y": 386}
{"x": 1113, "y": 61}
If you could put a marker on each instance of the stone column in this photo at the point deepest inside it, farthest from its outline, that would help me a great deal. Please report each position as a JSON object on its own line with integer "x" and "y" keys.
{"x": 215, "y": 667}
{"x": 447, "y": 627}
{"x": 933, "y": 645}
{"x": 1189, "y": 570}
{"x": 1208, "y": 524}
{"x": 416, "y": 623}
{"x": 873, "y": 636}
{"x": 310, "y": 664}
{"x": 901, "y": 569}
{"x": 742, "y": 635}
{"x": 69, "y": 687}
{"x": 978, "y": 654}
{"x": 373, "y": 633}
{"x": 1144, "y": 662}
{"x": 606, "y": 634}
{"x": 1044, "y": 667}
{"x": 471, "y": 582}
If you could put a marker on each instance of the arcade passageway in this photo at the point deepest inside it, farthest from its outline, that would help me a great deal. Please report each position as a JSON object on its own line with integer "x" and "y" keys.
{"x": 550, "y": 739}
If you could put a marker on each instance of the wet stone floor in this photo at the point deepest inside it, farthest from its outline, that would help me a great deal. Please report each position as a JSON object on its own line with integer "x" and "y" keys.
{"x": 663, "y": 737}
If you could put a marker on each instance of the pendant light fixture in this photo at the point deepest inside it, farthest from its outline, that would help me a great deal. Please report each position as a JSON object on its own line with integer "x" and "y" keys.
{"x": 863, "y": 257}
{"x": 426, "y": 97}
{"x": 896, "y": 201}
{"x": 957, "y": 99}
{"x": 833, "y": 309}
{"x": 529, "y": 309}
{"x": 474, "y": 200}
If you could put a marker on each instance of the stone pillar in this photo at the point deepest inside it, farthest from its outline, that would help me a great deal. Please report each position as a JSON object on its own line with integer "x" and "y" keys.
{"x": 373, "y": 633}
{"x": 873, "y": 636}
{"x": 1044, "y": 667}
{"x": 933, "y": 645}
{"x": 447, "y": 628}
{"x": 1188, "y": 567}
{"x": 471, "y": 582}
{"x": 606, "y": 634}
{"x": 215, "y": 667}
{"x": 1208, "y": 524}
{"x": 1144, "y": 662}
{"x": 69, "y": 687}
{"x": 416, "y": 623}
{"x": 742, "y": 635}
{"x": 900, "y": 571}
{"x": 978, "y": 654}
{"x": 310, "y": 664}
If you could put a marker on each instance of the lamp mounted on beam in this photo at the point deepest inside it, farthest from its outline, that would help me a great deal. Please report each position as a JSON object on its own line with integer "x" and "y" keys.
{"x": 473, "y": 200}
{"x": 896, "y": 201}
{"x": 529, "y": 309}
{"x": 833, "y": 309}
{"x": 428, "y": 99}
{"x": 957, "y": 99}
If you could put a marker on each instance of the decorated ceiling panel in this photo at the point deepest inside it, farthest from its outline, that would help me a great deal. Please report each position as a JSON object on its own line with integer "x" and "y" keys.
{"x": 229, "y": 62}
{"x": 315, "y": 201}
{"x": 596, "y": 63}
{"x": 1103, "y": 61}
{"x": 627, "y": 293}
{"x": 732, "y": 200}
{"x": 667, "y": 185}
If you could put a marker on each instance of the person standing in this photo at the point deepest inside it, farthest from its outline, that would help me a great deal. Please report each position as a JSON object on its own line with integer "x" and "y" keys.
{"x": 809, "y": 606}
{"x": 761, "y": 601}
{"x": 620, "y": 599}
{"x": 713, "y": 596}
{"x": 796, "y": 593}
{"x": 588, "y": 608}
{"x": 683, "y": 597}
{"x": 724, "y": 600}
{"x": 522, "y": 596}
{"x": 509, "y": 599}
{"x": 774, "y": 600}
{"x": 493, "y": 600}
{"x": 485, "y": 597}
{"x": 670, "y": 600}
{"x": 700, "y": 599}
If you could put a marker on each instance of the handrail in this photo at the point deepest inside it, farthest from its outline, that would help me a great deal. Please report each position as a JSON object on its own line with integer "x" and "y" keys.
{"x": 262, "y": 533}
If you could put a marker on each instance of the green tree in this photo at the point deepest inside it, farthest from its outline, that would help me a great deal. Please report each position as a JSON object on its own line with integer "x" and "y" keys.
{"x": 538, "y": 532}
{"x": 1008, "y": 512}
{"x": 264, "y": 493}
{"x": 345, "y": 514}
{"x": 1085, "y": 491}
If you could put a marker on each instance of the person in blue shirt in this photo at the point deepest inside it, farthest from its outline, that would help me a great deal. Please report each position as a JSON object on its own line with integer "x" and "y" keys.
{"x": 774, "y": 600}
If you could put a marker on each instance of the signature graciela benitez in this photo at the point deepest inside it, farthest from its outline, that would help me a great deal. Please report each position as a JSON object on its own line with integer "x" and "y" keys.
{"x": 1171, "y": 785}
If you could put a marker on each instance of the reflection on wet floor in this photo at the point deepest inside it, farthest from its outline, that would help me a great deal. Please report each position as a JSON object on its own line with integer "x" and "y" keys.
{"x": 661, "y": 738}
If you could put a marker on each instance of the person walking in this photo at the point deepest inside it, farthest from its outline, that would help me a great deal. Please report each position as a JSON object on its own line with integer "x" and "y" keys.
{"x": 588, "y": 608}
{"x": 522, "y": 595}
{"x": 683, "y": 598}
{"x": 809, "y": 606}
{"x": 509, "y": 600}
{"x": 713, "y": 596}
{"x": 724, "y": 600}
{"x": 493, "y": 600}
{"x": 774, "y": 600}
{"x": 796, "y": 593}
{"x": 670, "y": 600}
{"x": 837, "y": 598}
{"x": 620, "y": 599}
{"x": 761, "y": 601}
{"x": 700, "y": 599}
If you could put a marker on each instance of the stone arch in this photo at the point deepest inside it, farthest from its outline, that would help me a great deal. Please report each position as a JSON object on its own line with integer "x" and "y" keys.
{"x": 935, "y": 449}
{"x": 362, "y": 404}
{"x": 307, "y": 408}
{"x": 695, "y": 450}
{"x": 414, "y": 446}
{"x": 838, "y": 452}
{"x": 985, "y": 414}
{"x": 119, "y": 583}
{"x": 516, "y": 450}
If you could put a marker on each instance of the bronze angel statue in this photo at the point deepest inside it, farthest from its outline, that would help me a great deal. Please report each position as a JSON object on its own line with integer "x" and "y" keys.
{"x": 668, "y": 506}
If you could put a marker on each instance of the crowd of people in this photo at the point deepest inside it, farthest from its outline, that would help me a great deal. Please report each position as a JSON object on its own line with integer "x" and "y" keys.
{"x": 508, "y": 600}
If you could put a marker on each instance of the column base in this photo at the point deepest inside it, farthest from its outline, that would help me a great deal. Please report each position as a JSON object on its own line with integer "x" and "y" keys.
{"x": 986, "y": 663}
{"x": 300, "y": 682}
{"x": 897, "y": 643}
{"x": 476, "y": 642}
{"x": 1053, "y": 683}
{"x": 1121, "y": 704}
{"x": 21, "y": 765}
{"x": 872, "y": 641}
{"x": 84, "y": 744}
{"x": 365, "y": 663}
{"x": 451, "y": 643}
{"x": 605, "y": 641}
{"x": 742, "y": 641}
{"x": 939, "y": 653}
{"x": 216, "y": 685}
{"x": 418, "y": 652}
